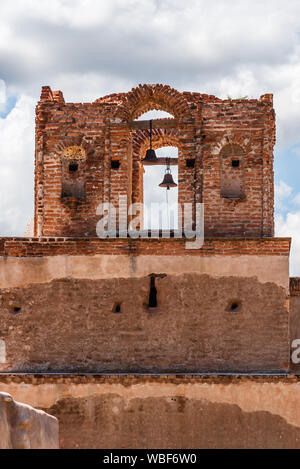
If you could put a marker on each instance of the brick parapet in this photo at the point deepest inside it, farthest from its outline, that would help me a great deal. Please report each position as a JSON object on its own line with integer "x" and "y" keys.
{"x": 38, "y": 247}
{"x": 131, "y": 379}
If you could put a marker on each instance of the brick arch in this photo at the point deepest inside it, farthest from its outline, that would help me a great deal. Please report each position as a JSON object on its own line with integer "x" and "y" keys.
{"x": 88, "y": 145}
{"x": 233, "y": 142}
{"x": 232, "y": 149}
{"x": 160, "y": 138}
{"x": 145, "y": 98}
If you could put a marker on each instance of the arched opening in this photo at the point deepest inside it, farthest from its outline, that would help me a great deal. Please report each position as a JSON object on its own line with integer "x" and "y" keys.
{"x": 154, "y": 114}
{"x": 161, "y": 203}
{"x": 73, "y": 160}
{"x": 156, "y": 130}
{"x": 232, "y": 171}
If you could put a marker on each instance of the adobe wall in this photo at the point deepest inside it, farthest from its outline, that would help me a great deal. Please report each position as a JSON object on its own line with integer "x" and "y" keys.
{"x": 192, "y": 329}
{"x": 202, "y": 126}
{"x": 168, "y": 411}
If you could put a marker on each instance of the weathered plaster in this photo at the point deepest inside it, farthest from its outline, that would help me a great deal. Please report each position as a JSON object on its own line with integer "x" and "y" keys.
{"x": 279, "y": 396}
{"x": 169, "y": 411}
{"x": 19, "y": 272}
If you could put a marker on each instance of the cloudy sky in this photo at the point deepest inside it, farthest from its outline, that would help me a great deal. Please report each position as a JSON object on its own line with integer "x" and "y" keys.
{"x": 89, "y": 48}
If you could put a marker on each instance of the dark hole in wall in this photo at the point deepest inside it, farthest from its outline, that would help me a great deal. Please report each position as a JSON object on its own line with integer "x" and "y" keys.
{"x": 16, "y": 310}
{"x": 235, "y": 163}
{"x": 234, "y": 306}
{"x": 152, "y": 294}
{"x": 115, "y": 164}
{"x": 190, "y": 163}
{"x": 73, "y": 167}
{"x": 117, "y": 308}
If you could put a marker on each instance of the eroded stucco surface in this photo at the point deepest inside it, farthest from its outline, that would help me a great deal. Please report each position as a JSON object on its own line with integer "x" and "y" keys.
{"x": 20, "y": 272}
{"x": 70, "y": 325}
{"x": 169, "y": 411}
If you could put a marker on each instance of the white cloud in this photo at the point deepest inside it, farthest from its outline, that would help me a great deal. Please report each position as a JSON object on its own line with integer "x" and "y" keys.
{"x": 227, "y": 48}
{"x": 2, "y": 92}
{"x": 296, "y": 199}
{"x": 282, "y": 192}
{"x": 2, "y": 95}
{"x": 16, "y": 169}
{"x": 77, "y": 13}
{"x": 287, "y": 222}
{"x": 85, "y": 87}
{"x": 244, "y": 84}
{"x": 289, "y": 226}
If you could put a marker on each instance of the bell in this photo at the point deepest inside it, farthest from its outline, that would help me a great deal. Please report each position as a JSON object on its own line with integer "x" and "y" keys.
{"x": 168, "y": 181}
{"x": 150, "y": 157}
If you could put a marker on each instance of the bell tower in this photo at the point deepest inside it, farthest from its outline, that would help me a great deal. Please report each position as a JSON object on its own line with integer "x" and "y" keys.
{"x": 122, "y": 331}
{"x": 91, "y": 154}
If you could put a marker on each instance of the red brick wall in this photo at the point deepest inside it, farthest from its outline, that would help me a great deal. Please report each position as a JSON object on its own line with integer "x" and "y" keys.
{"x": 20, "y": 247}
{"x": 204, "y": 125}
